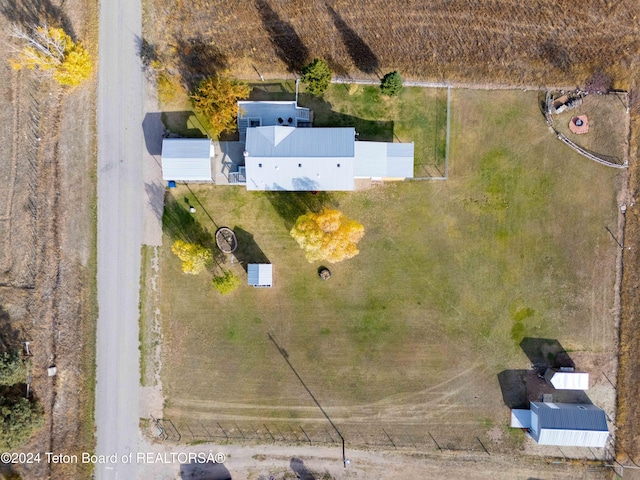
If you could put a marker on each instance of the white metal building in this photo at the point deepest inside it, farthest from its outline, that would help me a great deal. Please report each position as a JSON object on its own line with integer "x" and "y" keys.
{"x": 567, "y": 380}
{"x": 569, "y": 425}
{"x": 323, "y": 159}
{"x": 260, "y": 274}
{"x": 299, "y": 159}
{"x": 187, "y": 159}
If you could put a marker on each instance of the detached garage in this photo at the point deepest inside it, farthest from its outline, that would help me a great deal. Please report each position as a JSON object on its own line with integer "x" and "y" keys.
{"x": 187, "y": 159}
{"x": 568, "y": 425}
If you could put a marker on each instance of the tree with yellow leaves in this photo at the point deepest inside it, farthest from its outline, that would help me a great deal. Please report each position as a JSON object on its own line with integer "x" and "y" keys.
{"x": 51, "y": 50}
{"x": 195, "y": 258}
{"x": 327, "y": 235}
{"x": 216, "y": 100}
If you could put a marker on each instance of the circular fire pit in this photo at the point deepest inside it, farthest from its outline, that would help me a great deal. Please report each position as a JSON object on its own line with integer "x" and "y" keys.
{"x": 579, "y": 124}
{"x": 226, "y": 240}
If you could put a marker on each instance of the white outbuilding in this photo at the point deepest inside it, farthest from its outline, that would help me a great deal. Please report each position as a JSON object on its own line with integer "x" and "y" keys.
{"x": 567, "y": 379}
{"x": 187, "y": 159}
{"x": 260, "y": 275}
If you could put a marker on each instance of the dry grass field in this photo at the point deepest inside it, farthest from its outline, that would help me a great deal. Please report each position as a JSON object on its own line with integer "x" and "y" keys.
{"x": 501, "y": 41}
{"x": 407, "y": 340}
{"x": 47, "y": 268}
{"x": 628, "y": 420}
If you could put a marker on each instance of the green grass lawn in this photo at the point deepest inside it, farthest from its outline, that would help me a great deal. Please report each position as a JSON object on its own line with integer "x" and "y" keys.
{"x": 450, "y": 278}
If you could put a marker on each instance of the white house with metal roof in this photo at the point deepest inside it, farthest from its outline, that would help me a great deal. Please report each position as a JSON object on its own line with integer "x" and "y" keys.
{"x": 563, "y": 424}
{"x": 299, "y": 159}
{"x": 281, "y": 154}
{"x": 187, "y": 159}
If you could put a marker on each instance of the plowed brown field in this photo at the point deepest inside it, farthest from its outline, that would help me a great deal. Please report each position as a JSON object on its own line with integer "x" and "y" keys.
{"x": 499, "y": 41}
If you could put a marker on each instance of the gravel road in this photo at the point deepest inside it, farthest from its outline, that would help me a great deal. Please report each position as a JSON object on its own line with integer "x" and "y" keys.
{"x": 120, "y": 196}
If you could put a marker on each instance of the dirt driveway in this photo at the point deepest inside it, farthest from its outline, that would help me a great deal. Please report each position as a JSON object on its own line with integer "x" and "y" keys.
{"x": 284, "y": 462}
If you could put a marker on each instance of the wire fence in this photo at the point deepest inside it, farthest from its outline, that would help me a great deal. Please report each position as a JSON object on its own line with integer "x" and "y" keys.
{"x": 389, "y": 437}
{"x": 609, "y": 161}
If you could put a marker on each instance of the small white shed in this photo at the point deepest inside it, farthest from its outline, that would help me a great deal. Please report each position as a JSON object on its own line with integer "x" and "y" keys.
{"x": 187, "y": 159}
{"x": 567, "y": 380}
{"x": 260, "y": 275}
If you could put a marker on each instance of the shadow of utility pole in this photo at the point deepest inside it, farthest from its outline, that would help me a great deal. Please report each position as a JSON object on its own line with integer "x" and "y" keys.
{"x": 285, "y": 355}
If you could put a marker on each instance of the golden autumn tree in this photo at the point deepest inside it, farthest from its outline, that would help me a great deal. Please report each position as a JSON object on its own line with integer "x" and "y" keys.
{"x": 216, "y": 99}
{"x": 51, "y": 50}
{"x": 327, "y": 235}
{"x": 195, "y": 258}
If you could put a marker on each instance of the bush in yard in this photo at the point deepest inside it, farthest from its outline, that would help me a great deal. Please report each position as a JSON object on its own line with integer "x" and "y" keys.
{"x": 391, "y": 84}
{"x": 317, "y": 77}
{"x": 226, "y": 283}
{"x": 327, "y": 235}
{"x": 195, "y": 258}
{"x": 599, "y": 82}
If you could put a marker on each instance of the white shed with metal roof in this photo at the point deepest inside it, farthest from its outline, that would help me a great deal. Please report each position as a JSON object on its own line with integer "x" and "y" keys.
{"x": 567, "y": 380}
{"x": 260, "y": 274}
{"x": 187, "y": 159}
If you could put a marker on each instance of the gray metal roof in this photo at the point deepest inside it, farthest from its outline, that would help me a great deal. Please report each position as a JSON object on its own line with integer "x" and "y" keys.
{"x": 278, "y": 141}
{"x": 260, "y": 274}
{"x": 384, "y": 160}
{"x": 187, "y": 159}
{"x": 566, "y": 424}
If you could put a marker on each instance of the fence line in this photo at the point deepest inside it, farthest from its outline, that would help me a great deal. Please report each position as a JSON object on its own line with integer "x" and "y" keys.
{"x": 460, "y": 85}
{"x": 285, "y": 432}
{"x": 590, "y": 155}
{"x": 574, "y": 146}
